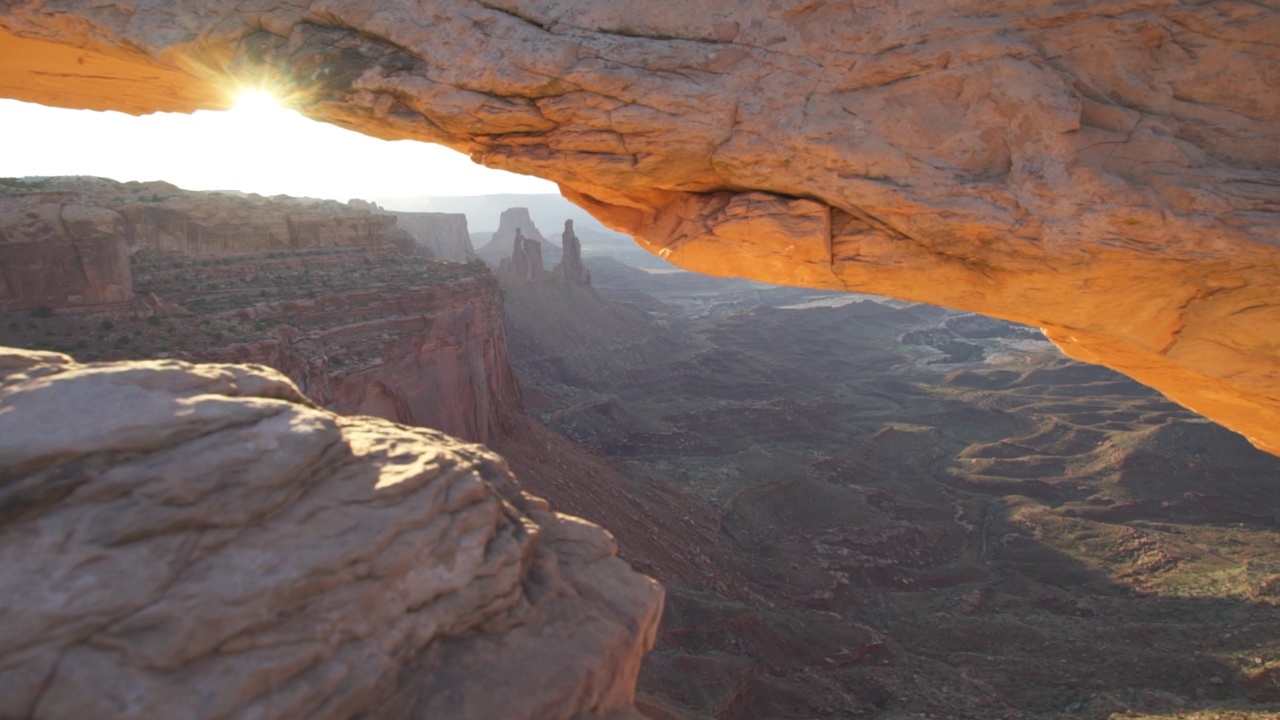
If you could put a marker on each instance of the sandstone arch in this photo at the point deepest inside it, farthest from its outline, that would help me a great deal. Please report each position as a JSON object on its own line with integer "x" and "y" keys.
{"x": 1107, "y": 171}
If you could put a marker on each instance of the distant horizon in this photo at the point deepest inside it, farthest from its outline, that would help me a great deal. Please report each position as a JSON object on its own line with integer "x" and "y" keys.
{"x": 269, "y": 152}
{"x": 546, "y": 208}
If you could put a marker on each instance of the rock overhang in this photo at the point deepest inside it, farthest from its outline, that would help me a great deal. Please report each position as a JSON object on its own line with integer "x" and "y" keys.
{"x": 1109, "y": 175}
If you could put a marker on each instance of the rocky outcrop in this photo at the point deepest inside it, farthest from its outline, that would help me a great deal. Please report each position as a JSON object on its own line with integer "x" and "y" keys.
{"x": 1107, "y": 172}
{"x": 67, "y": 241}
{"x": 59, "y": 250}
{"x": 516, "y": 222}
{"x": 156, "y": 217}
{"x": 525, "y": 263}
{"x": 221, "y": 548}
{"x": 362, "y": 329}
{"x": 570, "y": 270}
{"x": 433, "y": 356}
{"x": 445, "y": 235}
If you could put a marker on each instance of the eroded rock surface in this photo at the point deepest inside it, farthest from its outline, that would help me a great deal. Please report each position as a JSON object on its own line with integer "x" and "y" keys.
{"x": 68, "y": 241}
{"x": 1106, "y": 171}
{"x": 434, "y": 355}
{"x": 314, "y": 289}
{"x": 222, "y": 548}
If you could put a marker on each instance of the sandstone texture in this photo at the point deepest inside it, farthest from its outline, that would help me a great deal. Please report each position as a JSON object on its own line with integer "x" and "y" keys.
{"x": 335, "y": 304}
{"x": 432, "y": 356}
{"x": 60, "y": 250}
{"x": 1107, "y": 171}
{"x": 222, "y": 548}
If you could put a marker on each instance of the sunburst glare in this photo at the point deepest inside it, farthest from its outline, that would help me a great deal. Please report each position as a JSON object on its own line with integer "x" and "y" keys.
{"x": 260, "y": 145}
{"x": 257, "y": 102}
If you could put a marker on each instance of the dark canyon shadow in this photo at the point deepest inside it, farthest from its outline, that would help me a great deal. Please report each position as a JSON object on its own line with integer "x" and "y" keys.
{"x": 886, "y": 510}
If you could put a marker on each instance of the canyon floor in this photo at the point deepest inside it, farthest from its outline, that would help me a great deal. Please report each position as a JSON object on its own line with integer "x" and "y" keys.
{"x": 872, "y": 509}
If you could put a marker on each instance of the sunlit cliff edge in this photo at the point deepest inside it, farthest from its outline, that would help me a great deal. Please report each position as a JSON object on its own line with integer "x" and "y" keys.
{"x": 225, "y": 548}
{"x": 1106, "y": 172}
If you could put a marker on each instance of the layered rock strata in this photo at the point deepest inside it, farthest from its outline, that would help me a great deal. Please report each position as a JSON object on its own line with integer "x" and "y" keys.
{"x": 67, "y": 241}
{"x": 361, "y": 328}
{"x": 1107, "y": 172}
{"x": 58, "y": 249}
{"x": 317, "y": 566}
{"x": 432, "y": 356}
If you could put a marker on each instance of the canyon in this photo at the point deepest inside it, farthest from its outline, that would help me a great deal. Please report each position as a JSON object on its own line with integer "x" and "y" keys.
{"x": 1107, "y": 173}
{"x": 182, "y": 551}
{"x": 317, "y": 290}
{"x": 858, "y": 507}
{"x": 869, "y": 508}
{"x": 67, "y": 241}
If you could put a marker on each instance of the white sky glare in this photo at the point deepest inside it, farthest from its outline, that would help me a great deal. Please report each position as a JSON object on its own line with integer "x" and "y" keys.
{"x": 257, "y": 147}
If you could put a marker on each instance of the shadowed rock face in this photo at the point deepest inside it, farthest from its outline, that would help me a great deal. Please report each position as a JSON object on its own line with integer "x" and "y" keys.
{"x": 225, "y": 549}
{"x": 1108, "y": 172}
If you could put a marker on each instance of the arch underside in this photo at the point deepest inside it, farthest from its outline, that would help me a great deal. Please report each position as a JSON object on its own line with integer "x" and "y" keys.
{"x": 1112, "y": 176}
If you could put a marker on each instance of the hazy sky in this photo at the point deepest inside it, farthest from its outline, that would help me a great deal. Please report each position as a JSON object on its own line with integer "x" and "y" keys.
{"x": 254, "y": 148}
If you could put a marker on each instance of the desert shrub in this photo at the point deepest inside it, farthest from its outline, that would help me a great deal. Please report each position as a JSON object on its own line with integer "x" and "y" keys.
{"x": 106, "y": 325}
{"x": 153, "y": 320}
{"x": 42, "y": 311}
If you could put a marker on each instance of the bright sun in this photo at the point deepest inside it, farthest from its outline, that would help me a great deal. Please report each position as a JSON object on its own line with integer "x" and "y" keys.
{"x": 256, "y": 102}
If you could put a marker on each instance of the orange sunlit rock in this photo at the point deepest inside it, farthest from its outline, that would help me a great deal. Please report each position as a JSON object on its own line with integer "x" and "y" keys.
{"x": 1109, "y": 174}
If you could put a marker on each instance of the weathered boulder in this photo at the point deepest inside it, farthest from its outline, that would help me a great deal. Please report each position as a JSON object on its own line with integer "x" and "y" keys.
{"x": 1109, "y": 172}
{"x": 221, "y": 548}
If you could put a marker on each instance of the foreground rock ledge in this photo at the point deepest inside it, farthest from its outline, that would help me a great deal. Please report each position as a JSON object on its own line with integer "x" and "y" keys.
{"x": 198, "y": 541}
{"x": 1107, "y": 171}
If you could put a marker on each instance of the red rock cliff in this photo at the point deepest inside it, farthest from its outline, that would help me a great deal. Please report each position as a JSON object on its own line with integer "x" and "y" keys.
{"x": 433, "y": 356}
{"x": 65, "y": 241}
{"x": 309, "y": 287}
{"x": 57, "y": 249}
